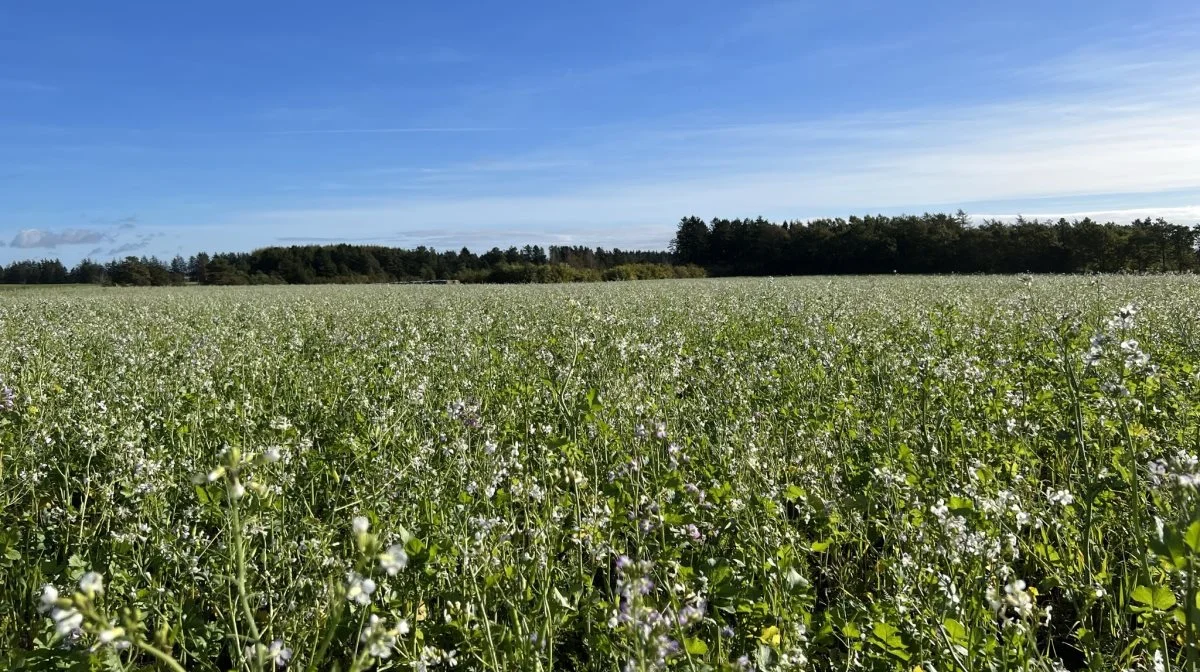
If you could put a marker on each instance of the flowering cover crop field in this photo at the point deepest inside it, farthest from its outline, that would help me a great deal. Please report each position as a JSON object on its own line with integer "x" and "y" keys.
{"x": 908, "y": 474}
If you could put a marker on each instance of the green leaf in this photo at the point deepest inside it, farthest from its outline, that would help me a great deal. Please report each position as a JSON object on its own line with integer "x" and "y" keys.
{"x": 819, "y": 546}
{"x": 961, "y": 506}
{"x": 414, "y": 546}
{"x": 955, "y": 630}
{"x": 1192, "y": 536}
{"x": 888, "y": 637}
{"x": 1156, "y": 597}
{"x": 695, "y": 646}
{"x": 887, "y": 634}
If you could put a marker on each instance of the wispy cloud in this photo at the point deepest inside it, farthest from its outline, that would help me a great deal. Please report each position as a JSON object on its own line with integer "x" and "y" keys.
{"x": 1069, "y": 143}
{"x": 479, "y": 239}
{"x": 326, "y": 239}
{"x": 440, "y": 55}
{"x": 38, "y": 238}
{"x": 398, "y": 129}
{"x": 523, "y": 165}
{"x": 121, "y": 223}
{"x": 774, "y": 18}
{"x": 1188, "y": 214}
{"x": 301, "y": 114}
{"x": 26, "y": 86}
{"x": 128, "y": 247}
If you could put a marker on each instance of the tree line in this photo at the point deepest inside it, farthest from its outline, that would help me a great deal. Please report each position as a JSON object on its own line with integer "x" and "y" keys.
{"x": 312, "y": 264}
{"x": 929, "y": 243}
{"x": 933, "y": 243}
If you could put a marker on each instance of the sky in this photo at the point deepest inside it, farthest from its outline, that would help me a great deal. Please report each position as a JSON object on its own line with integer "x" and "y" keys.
{"x": 163, "y": 128}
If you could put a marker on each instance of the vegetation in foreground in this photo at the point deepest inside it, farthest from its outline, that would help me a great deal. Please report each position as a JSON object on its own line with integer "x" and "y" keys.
{"x": 877, "y": 474}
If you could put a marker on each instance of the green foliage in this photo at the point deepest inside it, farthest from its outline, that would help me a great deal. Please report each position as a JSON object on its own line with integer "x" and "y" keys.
{"x": 933, "y": 243}
{"x": 858, "y": 474}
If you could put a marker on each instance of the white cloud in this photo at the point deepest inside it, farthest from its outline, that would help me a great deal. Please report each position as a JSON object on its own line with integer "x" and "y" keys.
{"x": 1188, "y": 214}
{"x": 1133, "y": 129}
{"x": 38, "y": 238}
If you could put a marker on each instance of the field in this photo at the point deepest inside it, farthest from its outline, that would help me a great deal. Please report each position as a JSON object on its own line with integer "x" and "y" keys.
{"x": 911, "y": 474}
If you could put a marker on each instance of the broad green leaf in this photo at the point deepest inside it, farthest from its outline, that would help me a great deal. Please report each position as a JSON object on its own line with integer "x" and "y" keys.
{"x": 1156, "y": 597}
{"x": 1192, "y": 536}
{"x": 955, "y": 630}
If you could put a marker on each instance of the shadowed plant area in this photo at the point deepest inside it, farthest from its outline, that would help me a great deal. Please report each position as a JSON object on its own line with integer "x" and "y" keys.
{"x": 904, "y": 473}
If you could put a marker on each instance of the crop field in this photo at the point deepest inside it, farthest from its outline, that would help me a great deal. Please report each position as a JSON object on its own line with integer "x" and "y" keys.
{"x": 893, "y": 473}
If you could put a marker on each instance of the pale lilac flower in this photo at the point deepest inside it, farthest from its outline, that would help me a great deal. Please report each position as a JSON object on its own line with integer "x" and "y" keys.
{"x": 279, "y": 653}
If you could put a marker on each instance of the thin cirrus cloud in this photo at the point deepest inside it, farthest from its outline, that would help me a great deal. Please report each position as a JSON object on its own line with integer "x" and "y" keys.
{"x": 390, "y": 130}
{"x": 128, "y": 247}
{"x": 482, "y": 239}
{"x": 1137, "y": 135}
{"x": 1090, "y": 122}
{"x": 301, "y": 114}
{"x": 40, "y": 238}
{"x": 26, "y": 86}
{"x": 1188, "y": 214}
{"x": 441, "y": 55}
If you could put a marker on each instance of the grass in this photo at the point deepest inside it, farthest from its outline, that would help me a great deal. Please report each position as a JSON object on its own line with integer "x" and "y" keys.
{"x": 902, "y": 474}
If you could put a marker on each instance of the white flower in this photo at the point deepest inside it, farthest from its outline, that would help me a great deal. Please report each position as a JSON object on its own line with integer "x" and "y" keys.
{"x": 66, "y": 621}
{"x": 110, "y": 635}
{"x": 393, "y": 559}
{"x": 279, "y": 653}
{"x": 402, "y": 627}
{"x": 237, "y": 491}
{"x": 1062, "y": 497}
{"x": 1018, "y": 599}
{"x": 1123, "y": 319}
{"x": 940, "y": 510}
{"x": 358, "y": 589}
{"x": 272, "y": 454}
{"x": 361, "y": 524}
{"x": 1159, "y": 665}
{"x": 49, "y": 598}
{"x": 382, "y": 647}
{"x": 378, "y": 638}
{"x": 91, "y": 583}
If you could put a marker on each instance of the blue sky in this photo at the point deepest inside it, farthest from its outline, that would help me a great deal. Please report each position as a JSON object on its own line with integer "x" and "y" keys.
{"x": 163, "y": 128}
